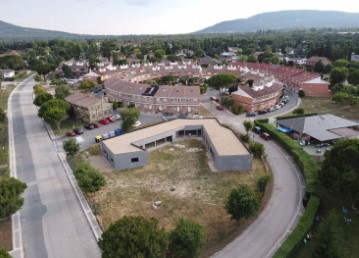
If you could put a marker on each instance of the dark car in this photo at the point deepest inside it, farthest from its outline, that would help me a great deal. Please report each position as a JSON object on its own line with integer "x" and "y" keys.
{"x": 219, "y": 107}
{"x": 78, "y": 130}
{"x": 71, "y": 133}
{"x": 249, "y": 114}
{"x": 89, "y": 126}
{"x": 323, "y": 144}
{"x": 261, "y": 112}
{"x": 257, "y": 129}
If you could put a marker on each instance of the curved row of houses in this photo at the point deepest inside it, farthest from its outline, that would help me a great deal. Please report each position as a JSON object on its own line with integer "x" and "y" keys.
{"x": 124, "y": 84}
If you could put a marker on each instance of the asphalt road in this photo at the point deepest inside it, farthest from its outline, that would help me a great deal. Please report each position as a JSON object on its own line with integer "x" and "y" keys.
{"x": 52, "y": 222}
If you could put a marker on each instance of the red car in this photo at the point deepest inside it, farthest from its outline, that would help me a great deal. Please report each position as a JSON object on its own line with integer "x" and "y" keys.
{"x": 71, "y": 134}
{"x": 219, "y": 107}
{"x": 96, "y": 125}
{"x": 104, "y": 121}
{"x": 213, "y": 98}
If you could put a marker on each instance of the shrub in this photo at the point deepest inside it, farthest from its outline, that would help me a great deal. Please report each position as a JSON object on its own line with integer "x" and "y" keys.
{"x": 262, "y": 183}
{"x": 88, "y": 178}
{"x": 257, "y": 149}
{"x": 244, "y": 138}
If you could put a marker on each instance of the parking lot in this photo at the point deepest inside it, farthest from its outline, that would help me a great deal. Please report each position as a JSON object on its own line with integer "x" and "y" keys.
{"x": 88, "y": 137}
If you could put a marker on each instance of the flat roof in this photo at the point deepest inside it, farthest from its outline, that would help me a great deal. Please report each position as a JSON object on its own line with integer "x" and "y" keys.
{"x": 224, "y": 140}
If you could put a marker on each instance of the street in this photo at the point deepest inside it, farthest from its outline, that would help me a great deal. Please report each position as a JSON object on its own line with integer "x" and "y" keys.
{"x": 52, "y": 222}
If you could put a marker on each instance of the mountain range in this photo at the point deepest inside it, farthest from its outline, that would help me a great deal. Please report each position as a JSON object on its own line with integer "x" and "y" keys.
{"x": 286, "y": 20}
{"x": 281, "y": 20}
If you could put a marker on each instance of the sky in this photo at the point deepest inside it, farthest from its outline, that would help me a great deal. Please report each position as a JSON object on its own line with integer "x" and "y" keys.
{"x": 122, "y": 17}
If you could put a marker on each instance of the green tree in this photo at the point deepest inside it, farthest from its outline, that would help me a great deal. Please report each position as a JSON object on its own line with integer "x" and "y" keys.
{"x": 338, "y": 75}
{"x": 250, "y": 82}
{"x": 340, "y": 169}
{"x": 237, "y": 109}
{"x": 107, "y": 46}
{"x": 3, "y": 253}
{"x": 301, "y": 94}
{"x": 242, "y": 202}
{"x": 298, "y": 111}
{"x": 89, "y": 179}
{"x": 134, "y": 237}
{"x": 37, "y": 78}
{"x": 44, "y": 69}
{"x": 61, "y": 91}
{"x": 353, "y": 77}
{"x": 54, "y": 111}
{"x": 328, "y": 236}
{"x": 67, "y": 71}
{"x": 2, "y": 115}
{"x": 222, "y": 80}
{"x": 340, "y": 97}
{"x": 129, "y": 116}
{"x": 86, "y": 85}
{"x": 38, "y": 89}
{"x": 71, "y": 147}
{"x": 187, "y": 239}
{"x": 42, "y": 98}
{"x": 203, "y": 88}
{"x": 257, "y": 149}
{"x": 159, "y": 53}
{"x": 319, "y": 66}
{"x": 10, "y": 196}
{"x": 248, "y": 125}
{"x": 227, "y": 102}
{"x": 341, "y": 63}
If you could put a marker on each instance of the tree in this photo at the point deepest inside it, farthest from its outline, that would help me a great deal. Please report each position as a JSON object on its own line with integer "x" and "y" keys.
{"x": 44, "y": 69}
{"x": 37, "y": 78}
{"x": 250, "y": 82}
{"x": 340, "y": 97}
{"x": 3, "y": 253}
{"x": 353, "y": 77}
{"x": 338, "y": 75}
{"x": 341, "y": 63}
{"x": 222, "y": 80}
{"x": 86, "y": 85}
{"x": 10, "y": 196}
{"x": 159, "y": 53}
{"x": 71, "y": 147}
{"x": 61, "y": 91}
{"x": 187, "y": 239}
{"x": 38, "y": 89}
{"x": 257, "y": 149}
{"x": 129, "y": 116}
{"x": 41, "y": 98}
{"x": 67, "y": 71}
{"x": 203, "y": 88}
{"x": 242, "y": 202}
{"x": 319, "y": 66}
{"x": 89, "y": 179}
{"x": 107, "y": 46}
{"x": 301, "y": 94}
{"x": 134, "y": 237}
{"x": 2, "y": 115}
{"x": 248, "y": 125}
{"x": 298, "y": 111}
{"x": 54, "y": 111}
{"x": 340, "y": 169}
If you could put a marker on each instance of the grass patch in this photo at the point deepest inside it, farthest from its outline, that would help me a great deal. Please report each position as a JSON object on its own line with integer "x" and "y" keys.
{"x": 204, "y": 112}
{"x": 22, "y": 75}
{"x": 177, "y": 175}
{"x": 327, "y": 106}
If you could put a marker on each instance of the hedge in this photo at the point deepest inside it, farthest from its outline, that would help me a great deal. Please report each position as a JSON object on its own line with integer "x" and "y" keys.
{"x": 309, "y": 169}
{"x": 295, "y": 116}
{"x": 296, "y": 238}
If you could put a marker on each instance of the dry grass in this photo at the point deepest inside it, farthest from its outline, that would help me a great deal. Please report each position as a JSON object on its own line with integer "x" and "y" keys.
{"x": 177, "y": 175}
{"x": 6, "y": 234}
{"x": 327, "y": 106}
{"x": 205, "y": 112}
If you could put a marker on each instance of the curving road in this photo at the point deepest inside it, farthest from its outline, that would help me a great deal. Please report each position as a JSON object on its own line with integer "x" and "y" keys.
{"x": 52, "y": 222}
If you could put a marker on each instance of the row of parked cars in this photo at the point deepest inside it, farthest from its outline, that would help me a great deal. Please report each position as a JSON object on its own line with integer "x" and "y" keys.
{"x": 284, "y": 101}
{"x": 91, "y": 126}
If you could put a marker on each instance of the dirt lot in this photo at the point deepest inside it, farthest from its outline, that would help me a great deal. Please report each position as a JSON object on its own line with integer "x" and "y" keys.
{"x": 177, "y": 175}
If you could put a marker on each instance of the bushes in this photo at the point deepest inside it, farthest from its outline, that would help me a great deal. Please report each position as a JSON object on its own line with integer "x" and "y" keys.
{"x": 295, "y": 239}
{"x": 295, "y": 116}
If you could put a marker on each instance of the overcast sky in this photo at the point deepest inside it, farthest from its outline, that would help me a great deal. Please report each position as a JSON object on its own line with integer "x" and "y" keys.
{"x": 119, "y": 17}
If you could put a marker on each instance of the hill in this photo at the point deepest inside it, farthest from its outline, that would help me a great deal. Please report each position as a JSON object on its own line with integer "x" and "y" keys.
{"x": 284, "y": 20}
{"x": 12, "y": 32}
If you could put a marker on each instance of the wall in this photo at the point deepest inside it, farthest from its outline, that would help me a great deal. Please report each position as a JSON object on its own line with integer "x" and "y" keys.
{"x": 234, "y": 163}
{"x": 316, "y": 89}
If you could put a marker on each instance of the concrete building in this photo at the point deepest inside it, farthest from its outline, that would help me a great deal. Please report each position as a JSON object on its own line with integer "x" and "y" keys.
{"x": 131, "y": 150}
{"x": 89, "y": 109}
{"x": 8, "y": 74}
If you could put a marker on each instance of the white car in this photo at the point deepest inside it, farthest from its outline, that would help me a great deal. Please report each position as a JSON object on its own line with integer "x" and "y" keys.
{"x": 137, "y": 124}
{"x": 117, "y": 116}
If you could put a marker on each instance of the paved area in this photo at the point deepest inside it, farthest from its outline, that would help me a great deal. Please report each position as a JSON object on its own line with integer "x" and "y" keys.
{"x": 51, "y": 222}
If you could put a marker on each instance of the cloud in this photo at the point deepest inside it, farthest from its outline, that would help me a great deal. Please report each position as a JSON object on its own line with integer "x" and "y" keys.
{"x": 140, "y": 2}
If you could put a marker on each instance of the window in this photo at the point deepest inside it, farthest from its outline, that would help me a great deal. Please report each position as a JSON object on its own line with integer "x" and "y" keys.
{"x": 133, "y": 160}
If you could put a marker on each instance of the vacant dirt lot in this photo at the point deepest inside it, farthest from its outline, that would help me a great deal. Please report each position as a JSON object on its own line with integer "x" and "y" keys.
{"x": 179, "y": 177}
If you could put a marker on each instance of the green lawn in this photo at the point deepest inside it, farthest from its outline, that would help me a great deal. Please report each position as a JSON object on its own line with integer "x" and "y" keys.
{"x": 327, "y": 106}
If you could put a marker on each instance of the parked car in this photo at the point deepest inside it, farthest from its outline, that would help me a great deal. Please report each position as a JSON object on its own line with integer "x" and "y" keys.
{"x": 261, "y": 112}
{"x": 321, "y": 145}
{"x": 137, "y": 124}
{"x": 257, "y": 129}
{"x": 265, "y": 136}
{"x": 71, "y": 133}
{"x": 219, "y": 107}
{"x": 78, "y": 130}
{"x": 96, "y": 125}
{"x": 213, "y": 98}
{"x": 249, "y": 114}
{"x": 270, "y": 109}
{"x": 98, "y": 138}
{"x": 104, "y": 121}
{"x": 89, "y": 126}
{"x": 117, "y": 116}
{"x": 111, "y": 119}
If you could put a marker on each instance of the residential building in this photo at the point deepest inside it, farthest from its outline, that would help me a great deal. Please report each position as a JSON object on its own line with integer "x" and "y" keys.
{"x": 315, "y": 59}
{"x": 89, "y": 109}
{"x": 8, "y": 75}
